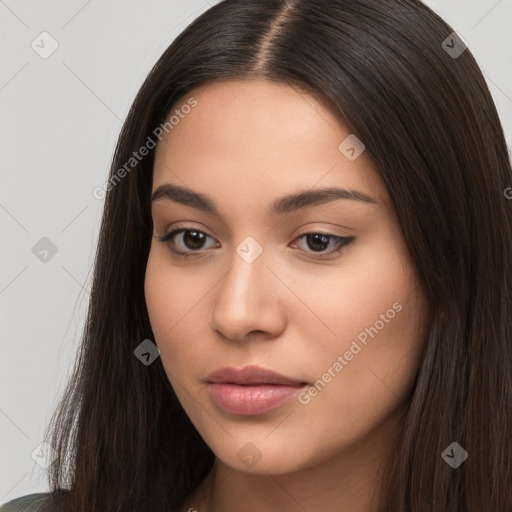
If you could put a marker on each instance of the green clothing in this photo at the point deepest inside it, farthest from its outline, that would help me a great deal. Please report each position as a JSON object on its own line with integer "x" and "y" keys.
{"x": 37, "y": 502}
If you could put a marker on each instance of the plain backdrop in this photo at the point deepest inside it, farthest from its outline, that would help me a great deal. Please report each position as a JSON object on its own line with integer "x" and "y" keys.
{"x": 61, "y": 115}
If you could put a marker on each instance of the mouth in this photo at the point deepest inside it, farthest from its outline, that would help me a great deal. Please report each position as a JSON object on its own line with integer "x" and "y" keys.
{"x": 251, "y": 390}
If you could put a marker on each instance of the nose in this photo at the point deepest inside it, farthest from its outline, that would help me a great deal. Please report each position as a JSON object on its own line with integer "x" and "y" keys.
{"x": 249, "y": 302}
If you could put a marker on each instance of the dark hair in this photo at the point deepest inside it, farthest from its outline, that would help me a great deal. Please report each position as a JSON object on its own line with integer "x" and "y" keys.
{"x": 429, "y": 124}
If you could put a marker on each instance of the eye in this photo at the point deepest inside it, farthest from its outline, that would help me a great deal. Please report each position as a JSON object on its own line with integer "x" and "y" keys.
{"x": 318, "y": 242}
{"x": 194, "y": 240}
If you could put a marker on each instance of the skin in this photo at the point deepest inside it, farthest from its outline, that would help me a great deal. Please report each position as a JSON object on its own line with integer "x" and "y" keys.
{"x": 244, "y": 145}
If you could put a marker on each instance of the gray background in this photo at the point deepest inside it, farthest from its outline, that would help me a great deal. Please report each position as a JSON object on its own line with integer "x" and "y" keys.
{"x": 60, "y": 120}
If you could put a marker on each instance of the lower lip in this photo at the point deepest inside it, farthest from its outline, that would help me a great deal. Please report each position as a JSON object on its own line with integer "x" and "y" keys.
{"x": 251, "y": 400}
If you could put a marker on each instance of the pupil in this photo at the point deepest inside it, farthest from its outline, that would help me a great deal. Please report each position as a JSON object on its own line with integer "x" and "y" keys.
{"x": 317, "y": 237}
{"x": 193, "y": 239}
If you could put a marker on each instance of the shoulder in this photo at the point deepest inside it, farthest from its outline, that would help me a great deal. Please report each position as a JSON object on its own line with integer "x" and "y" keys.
{"x": 37, "y": 502}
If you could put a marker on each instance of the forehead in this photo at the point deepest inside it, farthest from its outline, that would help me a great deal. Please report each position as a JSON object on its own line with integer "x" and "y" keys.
{"x": 261, "y": 136}
{"x": 245, "y": 113}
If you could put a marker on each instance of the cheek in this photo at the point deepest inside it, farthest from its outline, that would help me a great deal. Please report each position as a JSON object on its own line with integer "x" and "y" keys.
{"x": 351, "y": 397}
{"x": 175, "y": 302}
{"x": 380, "y": 357}
{"x": 374, "y": 312}
{"x": 371, "y": 297}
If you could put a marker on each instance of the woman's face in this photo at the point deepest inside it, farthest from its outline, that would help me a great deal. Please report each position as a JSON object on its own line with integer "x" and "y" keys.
{"x": 265, "y": 286}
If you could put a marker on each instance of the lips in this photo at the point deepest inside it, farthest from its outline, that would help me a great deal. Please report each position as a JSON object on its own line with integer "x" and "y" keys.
{"x": 251, "y": 390}
{"x": 251, "y": 375}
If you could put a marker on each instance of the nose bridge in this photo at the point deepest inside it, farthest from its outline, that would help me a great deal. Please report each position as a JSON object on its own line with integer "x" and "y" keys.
{"x": 247, "y": 279}
{"x": 246, "y": 299}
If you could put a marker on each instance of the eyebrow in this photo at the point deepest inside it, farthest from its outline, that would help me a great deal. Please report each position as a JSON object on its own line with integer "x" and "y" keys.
{"x": 281, "y": 206}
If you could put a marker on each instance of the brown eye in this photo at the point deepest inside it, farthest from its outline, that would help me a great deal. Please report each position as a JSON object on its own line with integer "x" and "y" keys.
{"x": 319, "y": 242}
{"x": 192, "y": 240}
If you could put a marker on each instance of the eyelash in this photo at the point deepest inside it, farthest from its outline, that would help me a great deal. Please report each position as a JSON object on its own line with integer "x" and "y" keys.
{"x": 168, "y": 239}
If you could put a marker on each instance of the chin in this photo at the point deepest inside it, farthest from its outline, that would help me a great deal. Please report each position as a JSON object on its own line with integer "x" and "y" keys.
{"x": 263, "y": 458}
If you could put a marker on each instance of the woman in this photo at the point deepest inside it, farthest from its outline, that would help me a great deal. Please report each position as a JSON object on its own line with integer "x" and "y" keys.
{"x": 301, "y": 297}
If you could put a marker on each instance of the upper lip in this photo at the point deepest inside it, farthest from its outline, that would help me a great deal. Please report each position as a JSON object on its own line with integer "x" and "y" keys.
{"x": 250, "y": 375}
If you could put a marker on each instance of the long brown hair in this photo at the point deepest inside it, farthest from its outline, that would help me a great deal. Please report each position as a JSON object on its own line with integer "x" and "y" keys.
{"x": 428, "y": 121}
